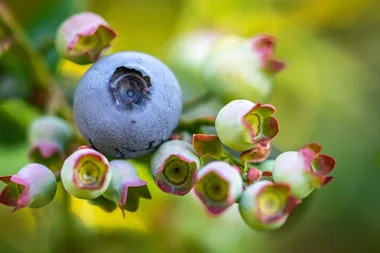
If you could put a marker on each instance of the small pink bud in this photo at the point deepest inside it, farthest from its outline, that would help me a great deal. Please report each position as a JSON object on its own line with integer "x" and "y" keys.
{"x": 83, "y": 37}
{"x": 33, "y": 186}
{"x": 83, "y": 147}
{"x": 264, "y": 46}
{"x": 254, "y": 175}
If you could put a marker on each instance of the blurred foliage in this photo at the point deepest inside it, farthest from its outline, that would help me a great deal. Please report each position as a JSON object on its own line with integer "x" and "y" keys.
{"x": 329, "y": 93}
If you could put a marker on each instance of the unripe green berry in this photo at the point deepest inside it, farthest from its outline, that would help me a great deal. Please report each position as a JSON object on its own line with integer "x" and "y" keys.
{"x": 86, "y": 174}
{"x": 33, "y": 186}
{"x": 49, "y": 137}
{"x": 266, "y": 206}
{"x": 174, "y": 167}
{"x": 83, "y": 37}
{"x": 242, "y": 125}
{"x": 239, "y": 68}
{"x": 126, "y": 188}
{"x": 303, "y": 170}
{"x": 218, "y": 186}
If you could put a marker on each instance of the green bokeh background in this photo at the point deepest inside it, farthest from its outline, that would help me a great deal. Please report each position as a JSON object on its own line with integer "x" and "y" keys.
{"x": 330, "y": 93}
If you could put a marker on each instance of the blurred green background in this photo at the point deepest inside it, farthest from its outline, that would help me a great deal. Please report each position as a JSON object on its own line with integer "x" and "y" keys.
{"x": 330, "y": 93}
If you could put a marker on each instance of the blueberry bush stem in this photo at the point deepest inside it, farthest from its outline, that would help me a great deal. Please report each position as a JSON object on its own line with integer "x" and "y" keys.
{"x": 66, "y": 220}
{"x": 198, "y": 101}
{"x": 58, "y": 175}
{"x": 194, "y": 125}
{"x": 232, "y": 159}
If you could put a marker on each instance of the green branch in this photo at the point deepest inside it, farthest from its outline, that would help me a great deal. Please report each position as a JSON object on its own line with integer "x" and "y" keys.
{"x": 187, "y": 106}
{"x": 195, "y": 125}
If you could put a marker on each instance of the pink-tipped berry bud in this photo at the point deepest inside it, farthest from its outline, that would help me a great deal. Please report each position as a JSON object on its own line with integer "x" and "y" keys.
{"x": 174, "y": 167}
{"x": 304, "y": 170}
{"x": 265, "y": 205}
{"x": 49, "y": 137}
{"x": 33, "y": 186}
{"x": 86, "y": 174}
{"x": 241, "y": 68}
{"x": 242, "y": 125}
{"x": 126, "y": 188}
{"x": 83, "y": 37}
{"x": 218, "y": 186}
{"x": 254, "y": 175}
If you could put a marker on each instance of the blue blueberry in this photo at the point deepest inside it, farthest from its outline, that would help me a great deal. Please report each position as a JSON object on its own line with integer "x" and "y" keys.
{"x": 127, "y": 104}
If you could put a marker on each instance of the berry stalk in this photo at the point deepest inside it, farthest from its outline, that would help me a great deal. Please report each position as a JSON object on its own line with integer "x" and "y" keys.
{"x": 198, "y": 101}
{"x": 194, "y": 125}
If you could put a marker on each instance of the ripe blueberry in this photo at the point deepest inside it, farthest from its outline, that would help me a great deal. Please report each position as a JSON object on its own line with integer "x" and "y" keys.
{"x": 127, "y": 104}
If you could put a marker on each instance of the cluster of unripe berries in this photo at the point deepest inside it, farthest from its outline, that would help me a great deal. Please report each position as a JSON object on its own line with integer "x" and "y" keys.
{"x": 129, "y": 104}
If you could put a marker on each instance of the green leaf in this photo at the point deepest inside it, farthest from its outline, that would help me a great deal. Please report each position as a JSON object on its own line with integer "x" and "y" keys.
{"x": 105, "y": 204}
{"x": 41, "y": 22}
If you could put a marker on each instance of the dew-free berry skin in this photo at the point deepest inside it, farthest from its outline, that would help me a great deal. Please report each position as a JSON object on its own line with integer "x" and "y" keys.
{"x": 127, "y": 104}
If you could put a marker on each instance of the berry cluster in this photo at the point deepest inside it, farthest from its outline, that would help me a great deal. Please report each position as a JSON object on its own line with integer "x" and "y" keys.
{"x": 129, "y": 104}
